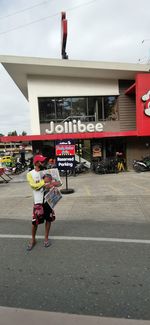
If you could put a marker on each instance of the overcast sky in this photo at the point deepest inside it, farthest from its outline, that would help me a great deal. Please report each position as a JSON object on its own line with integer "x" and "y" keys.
{"x": 98, "y": 30}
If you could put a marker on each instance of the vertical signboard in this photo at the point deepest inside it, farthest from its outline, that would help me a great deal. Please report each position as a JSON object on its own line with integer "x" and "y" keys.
{"x": 65, "y": 154}
{"x": 143, "y": 103}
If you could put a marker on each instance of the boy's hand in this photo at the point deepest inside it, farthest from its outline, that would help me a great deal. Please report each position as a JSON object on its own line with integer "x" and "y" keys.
{"x": 55, "y": 183}
{"x": 48, "y": 185}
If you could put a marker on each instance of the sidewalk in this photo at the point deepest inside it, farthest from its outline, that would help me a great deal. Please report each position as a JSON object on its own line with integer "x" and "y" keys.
{"x": 11, "y": 316}
{"x": 123, "y": 197}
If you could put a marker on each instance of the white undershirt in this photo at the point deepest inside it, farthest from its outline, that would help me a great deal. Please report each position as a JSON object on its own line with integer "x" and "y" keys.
{"x": 37, "y": 194}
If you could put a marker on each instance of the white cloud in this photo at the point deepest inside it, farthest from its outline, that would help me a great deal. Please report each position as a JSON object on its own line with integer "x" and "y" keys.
{"x": 103, "y": 30}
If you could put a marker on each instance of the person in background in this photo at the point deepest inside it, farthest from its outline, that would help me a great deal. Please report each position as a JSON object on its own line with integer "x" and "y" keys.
{"x": 121, "y": 162}
{"x": 40, "y": 209}
{"x": 30, "y": 166}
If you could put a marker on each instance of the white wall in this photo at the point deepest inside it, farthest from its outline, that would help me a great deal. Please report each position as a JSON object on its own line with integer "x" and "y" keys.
{"x": 64, "y": 87}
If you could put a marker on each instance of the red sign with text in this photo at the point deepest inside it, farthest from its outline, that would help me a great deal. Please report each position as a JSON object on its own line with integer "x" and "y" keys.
{"x": 143, "y": 103}
{"x": 65, "y": 149}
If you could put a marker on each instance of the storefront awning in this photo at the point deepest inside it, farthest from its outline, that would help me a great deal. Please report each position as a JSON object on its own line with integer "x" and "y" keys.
{"x": 49, "y": 137}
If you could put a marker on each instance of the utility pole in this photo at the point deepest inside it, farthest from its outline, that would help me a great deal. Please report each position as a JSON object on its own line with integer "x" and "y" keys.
{"x": 63, "y": 35}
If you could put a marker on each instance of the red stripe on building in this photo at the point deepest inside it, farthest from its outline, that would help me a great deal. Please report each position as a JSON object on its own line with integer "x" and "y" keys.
{"x": 86, "y": 135}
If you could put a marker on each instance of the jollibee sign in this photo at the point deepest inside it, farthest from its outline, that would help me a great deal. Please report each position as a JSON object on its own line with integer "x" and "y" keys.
{"x": 74, "y": 127}
{"x": 146, "y": 100}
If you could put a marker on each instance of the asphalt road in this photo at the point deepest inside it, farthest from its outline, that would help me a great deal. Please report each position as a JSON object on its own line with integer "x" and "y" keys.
{"x": 86, "y": 277}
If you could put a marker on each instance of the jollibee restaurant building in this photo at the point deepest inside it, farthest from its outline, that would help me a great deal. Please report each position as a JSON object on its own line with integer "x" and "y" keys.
{"x": 103, "y": 105}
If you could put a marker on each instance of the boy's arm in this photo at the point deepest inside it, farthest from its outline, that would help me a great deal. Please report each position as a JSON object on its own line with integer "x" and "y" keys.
{"x": 34, "y": 186}
{"x": 52, "y": 184}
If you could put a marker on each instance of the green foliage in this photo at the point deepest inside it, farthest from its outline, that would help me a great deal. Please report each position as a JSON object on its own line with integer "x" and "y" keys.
{"x": 24, "y": 133}
{"x": 12, "y": 133}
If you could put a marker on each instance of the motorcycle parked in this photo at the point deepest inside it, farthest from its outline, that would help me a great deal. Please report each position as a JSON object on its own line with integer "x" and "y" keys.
{"x": 106, "y": 166}
{"x": 19, "y": 167}
{"x": 30, "y": 164}
{"x": 142, "y": 165}
{"x": 80, "y": 167}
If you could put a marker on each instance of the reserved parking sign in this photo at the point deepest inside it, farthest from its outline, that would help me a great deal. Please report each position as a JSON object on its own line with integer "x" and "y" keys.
{"x": 65, "y": 154}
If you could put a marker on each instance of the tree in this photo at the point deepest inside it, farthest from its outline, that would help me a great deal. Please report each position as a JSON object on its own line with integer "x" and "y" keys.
{"x": 13, "y": 133}
{"x": 1, "y": 135}
{"x": 24, "y": 133}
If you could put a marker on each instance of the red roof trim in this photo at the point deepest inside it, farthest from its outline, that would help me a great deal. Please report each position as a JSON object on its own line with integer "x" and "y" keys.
{"x": 86, "y": 135}
{"x": 130, "y": 90}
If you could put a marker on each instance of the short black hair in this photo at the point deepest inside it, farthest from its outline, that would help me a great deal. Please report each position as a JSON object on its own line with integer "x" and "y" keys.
{"x": 47, "y": 175}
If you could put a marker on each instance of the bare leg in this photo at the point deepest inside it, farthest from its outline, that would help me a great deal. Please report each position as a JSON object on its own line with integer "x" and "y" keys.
{"x": 34, "y": 229}
{"x": 47, "y": 230}
{"x": 33, "y": 241}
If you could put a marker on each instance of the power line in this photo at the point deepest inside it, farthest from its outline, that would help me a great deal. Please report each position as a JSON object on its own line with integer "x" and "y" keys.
{"x": 31, "y": 23}
{"x": 47, "y": 17}
{"x": 22, "y": 10}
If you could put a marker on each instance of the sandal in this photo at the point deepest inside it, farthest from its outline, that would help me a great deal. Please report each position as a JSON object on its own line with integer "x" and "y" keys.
{"x": 47, "y": 243}
{"x": 30, "y": 246}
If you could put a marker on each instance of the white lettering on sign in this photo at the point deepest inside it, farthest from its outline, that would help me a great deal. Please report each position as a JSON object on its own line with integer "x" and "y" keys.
{"x": 74, "y": 127}
{"x": 65, "y": 159}
{"x": 65, "y": 162}
{"x": 146, "y": 100}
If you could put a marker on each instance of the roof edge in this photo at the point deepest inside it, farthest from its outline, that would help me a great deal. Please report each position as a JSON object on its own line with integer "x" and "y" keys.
{"x": 6, "y": 59}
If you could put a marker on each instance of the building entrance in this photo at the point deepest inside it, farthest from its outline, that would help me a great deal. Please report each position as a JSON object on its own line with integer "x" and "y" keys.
{"x": 114, "y": 146}
{"x": 107, "y": 151}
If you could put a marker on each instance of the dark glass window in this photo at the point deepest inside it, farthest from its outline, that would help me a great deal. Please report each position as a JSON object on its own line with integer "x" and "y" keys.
{"x": 79, "y": 106}
{"x": 91, "y": 108}
{"x": 47, "y": 109}
{"x": 100, "y": 108}
{"x": 58, "y": 109}
{"x": 63, "y": 108}
{"x": 110, "y": 108}
{"x": 51, "y": 110}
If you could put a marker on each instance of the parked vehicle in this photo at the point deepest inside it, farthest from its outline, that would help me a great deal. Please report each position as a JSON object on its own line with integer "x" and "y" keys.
{"x": 142, "y": 165}
{"x": 62, "y": 172}
{"x": 8, "y": 161}
{"x": 30, "y": 163}
{"x": 80, "y": 167}
{"x": 106, "y": 166}
{"x": 19, "y": 167}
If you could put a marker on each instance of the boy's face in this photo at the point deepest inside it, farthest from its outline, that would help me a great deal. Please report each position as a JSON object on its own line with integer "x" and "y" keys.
{"x": 40, "y": 165}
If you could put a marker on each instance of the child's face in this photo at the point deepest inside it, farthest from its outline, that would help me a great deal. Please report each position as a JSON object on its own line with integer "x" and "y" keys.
{"x": 47, "y": 179}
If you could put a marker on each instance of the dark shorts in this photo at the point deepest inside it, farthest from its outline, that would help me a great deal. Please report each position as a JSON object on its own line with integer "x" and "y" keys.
{"x": 49, "y": 215}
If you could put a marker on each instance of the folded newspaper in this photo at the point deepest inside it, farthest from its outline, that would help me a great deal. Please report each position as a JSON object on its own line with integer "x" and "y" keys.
{"x": 53, "y": 196}
{"x": 54, "y": 172}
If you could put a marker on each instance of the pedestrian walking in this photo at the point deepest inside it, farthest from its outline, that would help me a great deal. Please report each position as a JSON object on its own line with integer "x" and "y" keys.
{"x": 42, "y": 212}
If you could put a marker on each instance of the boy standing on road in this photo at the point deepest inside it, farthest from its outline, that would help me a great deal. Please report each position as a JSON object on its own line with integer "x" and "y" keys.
{"x": 41, "y": 211}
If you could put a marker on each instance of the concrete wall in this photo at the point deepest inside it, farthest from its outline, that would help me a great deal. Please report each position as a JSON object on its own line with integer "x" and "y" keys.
{"x": 62, "y": 87}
